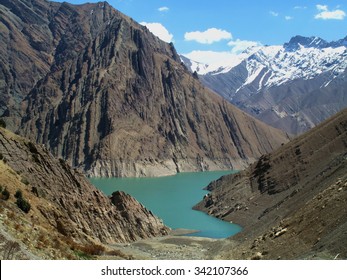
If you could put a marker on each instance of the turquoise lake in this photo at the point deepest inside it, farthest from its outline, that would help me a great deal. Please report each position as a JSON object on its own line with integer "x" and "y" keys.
{"x": 171, "y": 198}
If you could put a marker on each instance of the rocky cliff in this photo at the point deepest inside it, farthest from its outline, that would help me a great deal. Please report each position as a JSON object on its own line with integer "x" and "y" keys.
{"x": 295, "y": 195}
{"x": 115, "y": 100}
{"x": 64, "y": 203}
{"x": 34, "y": 35}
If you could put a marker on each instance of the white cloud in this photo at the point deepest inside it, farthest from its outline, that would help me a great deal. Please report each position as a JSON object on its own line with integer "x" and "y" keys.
{"x": 288, "y": 17}
{"x": 159, "y": 30}
{"x": 275, "y": 14}
{"x": 322, "y": 7}
{"x": 209, "y": 36}
{"x": 300, "y": 7}
{"x": 239, "y": 46}
{"x": 210, "y": 57}
{"x": 229, "y": 58}
{"x": 163, "y": 9}
{"x": 326, "y": 14}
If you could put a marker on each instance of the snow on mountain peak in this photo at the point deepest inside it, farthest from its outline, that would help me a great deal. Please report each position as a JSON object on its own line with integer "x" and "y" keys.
{"x": 302, "y": 57}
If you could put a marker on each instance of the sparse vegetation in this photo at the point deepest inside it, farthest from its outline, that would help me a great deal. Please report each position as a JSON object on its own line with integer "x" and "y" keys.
{"x": 84, "y": 251}
{"x": 23, "y": 204}
{"x": 92, "y": 249}
{"x": 5, "y": 194}
{"x": 35, "y": 191}
{"x": 32, "y": 148}
{"x": 2, "y": 123}
{"x": 18, "y": 194}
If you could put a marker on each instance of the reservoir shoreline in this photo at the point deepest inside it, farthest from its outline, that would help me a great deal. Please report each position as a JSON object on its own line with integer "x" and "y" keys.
{"x": 172, "y": 198}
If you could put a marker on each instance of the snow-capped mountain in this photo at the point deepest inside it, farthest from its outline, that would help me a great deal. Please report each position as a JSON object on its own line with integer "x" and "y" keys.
{"x": 274, "y": 82}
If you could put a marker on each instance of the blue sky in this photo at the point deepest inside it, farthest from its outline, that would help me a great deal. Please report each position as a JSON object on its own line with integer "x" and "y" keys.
{"x": 232, "y": 25}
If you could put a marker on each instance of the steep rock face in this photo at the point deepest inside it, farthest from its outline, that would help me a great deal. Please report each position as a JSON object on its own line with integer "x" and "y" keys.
{"x": 36, "y": 34}
{"x": 305, "y": 178}
{"x": 69, "y": 203}
{"x": 120, "y": 103}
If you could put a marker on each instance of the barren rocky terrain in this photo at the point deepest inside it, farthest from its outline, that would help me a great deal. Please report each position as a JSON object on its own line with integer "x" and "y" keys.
{"x": 311, "y": 217}
{"x": 67, "y": 214}
{"x": 291, "y": 202}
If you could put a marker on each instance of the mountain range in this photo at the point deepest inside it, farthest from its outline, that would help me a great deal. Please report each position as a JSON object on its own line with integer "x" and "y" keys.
{"x": 293, "y": 87}
{"x": 102, "y": 92}
{"x": 92, "y": 92}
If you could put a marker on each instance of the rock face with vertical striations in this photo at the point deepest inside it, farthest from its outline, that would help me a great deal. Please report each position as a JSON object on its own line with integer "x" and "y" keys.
{"x": 35, "y": 35}
{"x": 115, "y": 100}
{"x": 295, "y": 195}
{"x": 68, "y": 203}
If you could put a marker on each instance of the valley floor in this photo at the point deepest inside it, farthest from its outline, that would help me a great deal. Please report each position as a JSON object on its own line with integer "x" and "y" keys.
{"x": 173, "y": 247}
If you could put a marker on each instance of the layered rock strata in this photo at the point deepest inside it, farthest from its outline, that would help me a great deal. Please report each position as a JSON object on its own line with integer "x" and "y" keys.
{"x": 298, "y": 191}
{"x": 63, "y": 197}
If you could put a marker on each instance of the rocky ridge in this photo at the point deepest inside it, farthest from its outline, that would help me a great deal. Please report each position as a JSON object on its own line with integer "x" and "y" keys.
{"x": 120, "y": 102}
{"x": 63, "y": 203}
{"x": 299, "y": 192}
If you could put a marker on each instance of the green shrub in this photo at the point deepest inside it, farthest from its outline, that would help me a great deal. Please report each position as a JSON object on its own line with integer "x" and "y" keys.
{"x": 5, "y": 194}
{"x": 35, "y": 191}
{"x": 18, "y": 194}
{"x": 32, "y": 148}
{"x": 2, "y": 123}
{"x": 23, "y": 205}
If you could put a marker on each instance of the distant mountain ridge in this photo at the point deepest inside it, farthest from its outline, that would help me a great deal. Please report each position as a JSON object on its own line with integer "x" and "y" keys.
{"x": 105, "y": 94}
{"x": 315, "y": 42}
{"x": 284, "y": 85}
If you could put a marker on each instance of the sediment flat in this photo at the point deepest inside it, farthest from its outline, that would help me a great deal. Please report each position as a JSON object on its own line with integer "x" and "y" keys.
{"x": 175, "y": 246}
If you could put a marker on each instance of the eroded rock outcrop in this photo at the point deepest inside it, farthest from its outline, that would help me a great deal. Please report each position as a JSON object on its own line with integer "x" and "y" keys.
{"x": 69, "y": 203}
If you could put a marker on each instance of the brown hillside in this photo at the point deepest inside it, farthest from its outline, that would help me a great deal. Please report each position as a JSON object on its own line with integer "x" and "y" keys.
{"x": 64, "y": 206}
{"x": 299, "y": 192}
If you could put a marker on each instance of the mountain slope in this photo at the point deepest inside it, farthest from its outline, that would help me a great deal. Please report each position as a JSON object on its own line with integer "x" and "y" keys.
{"x": 120, "y": 103}
{"x": 34, "y": 35}
{"x": 284, "y": 86}
{"x": 298, "y": 191}
{"x": 64, "y": 205}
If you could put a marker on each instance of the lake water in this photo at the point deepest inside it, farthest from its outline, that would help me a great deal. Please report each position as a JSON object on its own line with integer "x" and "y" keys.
{"x": 171, "y": 198}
